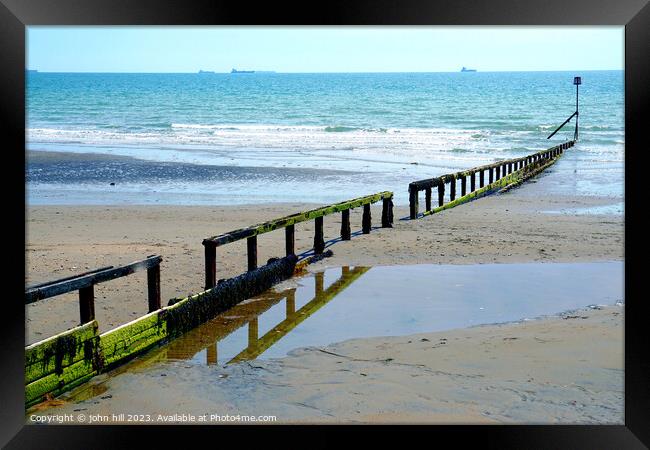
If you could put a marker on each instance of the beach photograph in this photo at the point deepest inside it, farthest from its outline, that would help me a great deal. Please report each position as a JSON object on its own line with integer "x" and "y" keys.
{"x": 324, "y": 225}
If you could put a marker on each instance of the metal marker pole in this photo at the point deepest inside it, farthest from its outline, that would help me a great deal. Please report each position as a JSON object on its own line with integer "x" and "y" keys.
{"x": 577, "y": 81}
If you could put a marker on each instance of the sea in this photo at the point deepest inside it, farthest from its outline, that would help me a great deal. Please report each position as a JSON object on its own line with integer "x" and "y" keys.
{"x": 228, "y": 139}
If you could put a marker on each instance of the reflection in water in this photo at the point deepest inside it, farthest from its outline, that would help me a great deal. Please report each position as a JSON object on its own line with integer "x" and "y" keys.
{"x": 248, "y": 313}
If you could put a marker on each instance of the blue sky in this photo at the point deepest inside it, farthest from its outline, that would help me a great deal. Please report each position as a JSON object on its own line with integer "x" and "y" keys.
{"x": 323, "y": 49}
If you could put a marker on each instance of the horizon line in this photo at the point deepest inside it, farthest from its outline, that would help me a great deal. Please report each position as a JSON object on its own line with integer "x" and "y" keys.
{"x": 268, "y": 72}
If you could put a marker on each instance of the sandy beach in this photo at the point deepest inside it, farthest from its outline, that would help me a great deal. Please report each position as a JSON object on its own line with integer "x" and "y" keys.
{"x": 565, "y": 369}
{"x": 540, "y": 371}
{"x": 509, "y": 228}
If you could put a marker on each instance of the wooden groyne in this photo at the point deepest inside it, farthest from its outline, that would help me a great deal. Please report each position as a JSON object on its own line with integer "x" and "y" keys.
{"x": 66, "y": 360}
{"x": 501, "y": 175}
{"x": 288, "y": 223}
{"x": 62, "y": 362}
{"x": 85, "y": 284}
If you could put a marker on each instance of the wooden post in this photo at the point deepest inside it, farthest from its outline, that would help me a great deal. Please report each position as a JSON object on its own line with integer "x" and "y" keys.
{"x": 491, "y": 175}
{"x": 153, "y": 287}
{"x": 413, "y": 201}
{"x": 472, "y": 182}
{"x": 463, "y": 186}
{"x": 290, "y": 237}
{"x": 452, "y": 188}
{"x": 346, "y": 233}
{"x": 427, "y": 200}
{"x": 251, "y": 243}
{"x": 441, "y": 193}
{"x": 387, "y": 213}
{"x": 87, "y": 304}
{"x": 210, "y": 265}
{"x": 481, "y": 178}
{"x": 319, "y": 241}
{"x": 497, "y": 171}
{"x": 366, "y": 220}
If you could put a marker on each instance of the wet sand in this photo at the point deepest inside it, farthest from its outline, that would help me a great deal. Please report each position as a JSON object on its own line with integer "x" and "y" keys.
{"x": 564, "y": 369}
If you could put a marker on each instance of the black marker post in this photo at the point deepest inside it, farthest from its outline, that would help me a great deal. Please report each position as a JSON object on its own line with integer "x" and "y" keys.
{"x": 577, "y": 81}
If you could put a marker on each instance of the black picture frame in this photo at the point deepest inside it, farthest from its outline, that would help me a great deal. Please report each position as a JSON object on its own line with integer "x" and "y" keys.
{"x": 15, "y": 15}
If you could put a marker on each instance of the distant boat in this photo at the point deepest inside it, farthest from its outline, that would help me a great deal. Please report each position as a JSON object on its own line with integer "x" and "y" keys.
{"x": 241, "y": 71}
{"x": 465, "y": 69}
{"x": 206, "y": 71}
{"x": 32, "y": 70}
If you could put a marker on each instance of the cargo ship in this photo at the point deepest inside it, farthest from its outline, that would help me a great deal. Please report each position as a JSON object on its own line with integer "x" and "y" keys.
{"x": 465, "y": 69}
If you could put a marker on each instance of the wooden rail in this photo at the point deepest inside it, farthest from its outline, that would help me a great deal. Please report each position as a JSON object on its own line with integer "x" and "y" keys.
{"x": 85, "y": 282}
{"x": 496, "y": 172}
{"x": 288, "y": 223}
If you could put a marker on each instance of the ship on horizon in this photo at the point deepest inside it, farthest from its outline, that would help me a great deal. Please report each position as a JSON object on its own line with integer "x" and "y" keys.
{"x": 465, "y": 69}
{"x": 241, "y": 71}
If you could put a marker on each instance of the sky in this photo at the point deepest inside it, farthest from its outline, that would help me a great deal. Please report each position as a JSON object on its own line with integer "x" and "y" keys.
{"x": 323, "y": 49}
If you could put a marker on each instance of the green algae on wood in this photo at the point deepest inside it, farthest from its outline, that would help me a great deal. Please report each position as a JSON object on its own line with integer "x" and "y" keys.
{"x": 515, "y": 178}
{"x": 523, "y": 166}
{"x": 53, "y": 354}
{"x": 131, "y": 338}
{"x": 36, "y": 390}
{"x": 294, "y": 218}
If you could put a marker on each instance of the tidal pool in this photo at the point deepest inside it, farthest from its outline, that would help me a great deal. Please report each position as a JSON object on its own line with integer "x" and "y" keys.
{"x": 353, "y": 302}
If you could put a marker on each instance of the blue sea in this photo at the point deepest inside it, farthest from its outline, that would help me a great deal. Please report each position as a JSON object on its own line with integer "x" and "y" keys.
{"x": 269, "y": 137}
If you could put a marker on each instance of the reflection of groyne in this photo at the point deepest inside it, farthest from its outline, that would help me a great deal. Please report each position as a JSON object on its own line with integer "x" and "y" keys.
{"x": 208, "y": 335}
{"x": 257, "y": 346}
{"x": 502, "y": 175}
